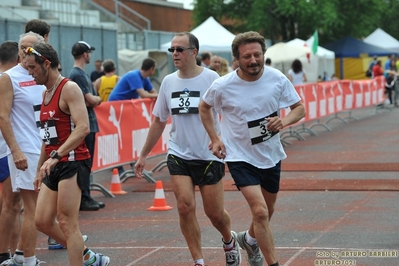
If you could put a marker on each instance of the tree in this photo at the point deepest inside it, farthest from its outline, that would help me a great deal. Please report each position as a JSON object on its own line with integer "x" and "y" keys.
{"x": 283, "y": 20}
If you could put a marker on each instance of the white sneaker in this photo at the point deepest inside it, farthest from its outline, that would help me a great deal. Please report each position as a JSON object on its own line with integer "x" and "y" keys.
{"x": 233, "y": 256}
{"x": 255, "y": 257}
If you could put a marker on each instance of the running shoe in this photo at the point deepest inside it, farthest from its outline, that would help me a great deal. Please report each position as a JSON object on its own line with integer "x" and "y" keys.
{"x": 233, "y": 255}
{"x": 255, "y": 257}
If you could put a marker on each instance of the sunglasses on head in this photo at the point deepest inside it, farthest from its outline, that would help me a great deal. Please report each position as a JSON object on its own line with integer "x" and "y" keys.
{"x": 30, "y": 51}
{"x": 179, "y": 49}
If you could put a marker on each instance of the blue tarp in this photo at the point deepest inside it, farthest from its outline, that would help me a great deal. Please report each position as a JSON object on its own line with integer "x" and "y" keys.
{"x": 351, "y": 47}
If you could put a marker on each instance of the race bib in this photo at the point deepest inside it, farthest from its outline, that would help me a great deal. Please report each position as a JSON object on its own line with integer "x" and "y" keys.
{"x": 185, "y": 102}
{"x": 48, "y": 133}
{"x": 258, "y": 130}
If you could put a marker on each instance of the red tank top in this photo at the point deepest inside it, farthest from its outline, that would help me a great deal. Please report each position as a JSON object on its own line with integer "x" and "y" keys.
{"x": 56, "y": 127}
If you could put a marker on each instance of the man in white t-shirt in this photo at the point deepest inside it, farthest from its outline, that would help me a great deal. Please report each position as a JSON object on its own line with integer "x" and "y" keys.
{"x": 190, "y": 162}
{"x": 249, "y": 101}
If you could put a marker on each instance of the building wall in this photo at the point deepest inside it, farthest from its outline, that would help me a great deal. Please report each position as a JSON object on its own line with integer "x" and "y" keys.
{"x": 163, "y": 18}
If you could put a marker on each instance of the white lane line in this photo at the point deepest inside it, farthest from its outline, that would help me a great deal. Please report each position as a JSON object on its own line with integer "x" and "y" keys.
{"x": 328, "y": 229}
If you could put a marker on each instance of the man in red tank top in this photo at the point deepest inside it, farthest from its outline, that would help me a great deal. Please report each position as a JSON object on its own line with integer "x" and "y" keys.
{"x": 64, "y": 158}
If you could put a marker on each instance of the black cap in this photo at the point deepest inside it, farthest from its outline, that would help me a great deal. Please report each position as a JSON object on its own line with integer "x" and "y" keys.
{"x": 81, "y": 47}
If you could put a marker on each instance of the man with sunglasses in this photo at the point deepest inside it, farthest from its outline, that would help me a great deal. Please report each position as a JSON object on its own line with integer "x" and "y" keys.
{"x": 64, "y": 160}
{"x": 189, "y": 160}
{"x": 21, "y": 101}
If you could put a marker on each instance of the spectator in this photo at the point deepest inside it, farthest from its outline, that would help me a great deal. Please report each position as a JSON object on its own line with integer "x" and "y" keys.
{"x": 63, "y": 116}
{"x": 105, "y": 84}
{"x": 135, "y": 84}
{"x": 199, "y": 60}
{"x": 98, "y": 71}
{"x": 377, "y": 69}
{"x": 392, "y": 57}
{"x": 390, "y": 82}
{"x": 215, "y": 63}
{"x": 252, "y": 150}
{"x": 206, "y": 59}
{"x": 10, "y": 203}
{"x": 21, "y": 100}
{"x": 224, "y": 67}
{"x": 297, "y": 74}
{"x": 189, "y": 160}
{"x": 82, "y": 52}
{"x": 371, "y": 65}
{"x": 40, "y": 27}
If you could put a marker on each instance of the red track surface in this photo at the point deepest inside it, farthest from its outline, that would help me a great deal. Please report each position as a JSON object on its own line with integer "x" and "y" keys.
{"x": 338, "y": 197}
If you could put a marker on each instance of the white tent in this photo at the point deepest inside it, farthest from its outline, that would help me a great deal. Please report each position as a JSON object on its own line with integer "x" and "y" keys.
{"x": 211, "y": 36}
{"x": 322, "y": 61}
{"x": 384, "y": 40}
{"x": 283, "y": 54}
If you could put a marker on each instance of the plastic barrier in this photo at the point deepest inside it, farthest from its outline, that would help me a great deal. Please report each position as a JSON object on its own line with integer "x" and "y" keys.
{"x": 124, "y": 125}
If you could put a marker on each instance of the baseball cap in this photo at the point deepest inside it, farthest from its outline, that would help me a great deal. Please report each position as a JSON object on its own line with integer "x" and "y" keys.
{"x": 81, "y": 47}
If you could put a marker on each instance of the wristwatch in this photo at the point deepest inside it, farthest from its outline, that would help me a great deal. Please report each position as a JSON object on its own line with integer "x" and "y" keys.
{"x": 54, "y": 155}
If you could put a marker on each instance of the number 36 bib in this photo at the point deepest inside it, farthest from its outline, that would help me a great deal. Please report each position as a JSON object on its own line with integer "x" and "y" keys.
{"x": 258, "y": 130}
{"x": 185, "y": 102}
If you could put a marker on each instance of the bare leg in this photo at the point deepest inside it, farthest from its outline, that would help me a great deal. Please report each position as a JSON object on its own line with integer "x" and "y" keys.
{"x": 9, "y": 218}
{"x": 260, "y": 221}
{"x": 183, "y": 189}
{"x": 213, "y": 200}
{"x": 65, "y": 205}
{"x": 28, "y": 230}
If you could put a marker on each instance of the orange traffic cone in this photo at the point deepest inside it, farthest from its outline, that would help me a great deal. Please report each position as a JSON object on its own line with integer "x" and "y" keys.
{"x": 159, "y": 200}
{"x": 116, "y": 187}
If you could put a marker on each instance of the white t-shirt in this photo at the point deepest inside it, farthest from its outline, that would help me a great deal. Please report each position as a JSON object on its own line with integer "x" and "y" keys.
{"x": 297, "y": 78}
{"x": 180, "y": 98}
{"x": 243, "y": 104}
{"x": 25, "y": 110}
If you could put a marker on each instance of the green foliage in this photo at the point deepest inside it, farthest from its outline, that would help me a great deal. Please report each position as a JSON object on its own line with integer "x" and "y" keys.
{"x": 284, "y": 20}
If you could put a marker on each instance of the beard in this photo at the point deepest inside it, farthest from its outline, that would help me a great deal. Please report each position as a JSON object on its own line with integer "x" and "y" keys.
{"x": 252, "y": 69}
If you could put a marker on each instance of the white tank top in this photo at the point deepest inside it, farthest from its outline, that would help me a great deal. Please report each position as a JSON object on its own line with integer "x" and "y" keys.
{"x": 25, "y": 110}
{"x": 3, "y": 145}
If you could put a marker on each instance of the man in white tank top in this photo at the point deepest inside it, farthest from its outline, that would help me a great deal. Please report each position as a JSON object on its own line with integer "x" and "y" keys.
{"x": 21, "y": 101}
{"x": 11, "y": 202}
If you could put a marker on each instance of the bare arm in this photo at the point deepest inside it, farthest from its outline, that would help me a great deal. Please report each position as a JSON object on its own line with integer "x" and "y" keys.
{"x": 155, "y": 132}
{"x": 304, "y": 78}
{"x": 97, "y": 84}
{"x": 297, "y": 113}
{"x": 216, "y": 145}
{"x": 92, "y": 100}
{"x": 7, "y": 97}
{"x": 145, "y": 94}
{"x": 38, "y": 179}
{"x": 72, "y": 103}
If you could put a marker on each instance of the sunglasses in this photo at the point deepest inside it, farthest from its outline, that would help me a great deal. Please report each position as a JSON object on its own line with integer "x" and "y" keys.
{"x": 179, "y": 49}
{"x": 30, "y": 51}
